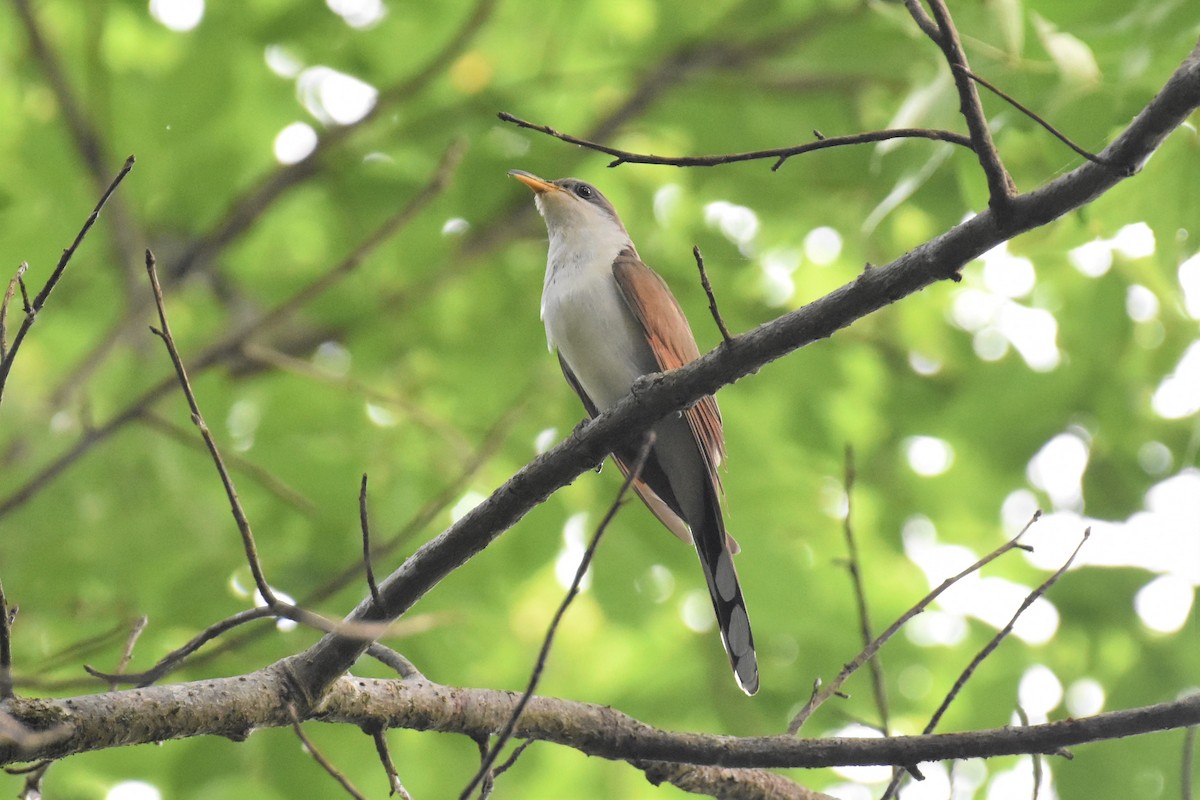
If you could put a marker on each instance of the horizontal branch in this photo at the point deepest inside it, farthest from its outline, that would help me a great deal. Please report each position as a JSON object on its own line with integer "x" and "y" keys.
{"x": 779, "y": 154}
{"x": 233, "y": 707}
{"x": 938, "y": 259}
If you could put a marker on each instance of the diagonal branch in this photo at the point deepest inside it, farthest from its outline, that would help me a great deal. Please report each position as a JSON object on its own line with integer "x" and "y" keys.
{"x": 34, "y": 307}
{"x": 938, "y": 259}
{"x": 1001, "y": 188}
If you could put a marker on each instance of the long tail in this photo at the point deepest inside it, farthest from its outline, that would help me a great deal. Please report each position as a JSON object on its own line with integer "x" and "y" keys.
{"x": 712, "y": 545}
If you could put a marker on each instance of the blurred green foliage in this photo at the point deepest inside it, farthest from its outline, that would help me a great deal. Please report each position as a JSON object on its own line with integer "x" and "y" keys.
{"x": 402, "y": 368}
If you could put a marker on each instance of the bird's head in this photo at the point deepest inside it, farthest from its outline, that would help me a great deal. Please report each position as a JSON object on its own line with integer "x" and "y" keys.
{"x": 570, "y": 204}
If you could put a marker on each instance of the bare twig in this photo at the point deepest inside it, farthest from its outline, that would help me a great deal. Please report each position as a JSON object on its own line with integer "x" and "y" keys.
{"x": 779, "y": 154}
{"x": 135, "y": 633}
{"x": 493, "y": 752}
{"x": 235, "y": 503}
{"x": 1012, "y": 101}
{"x": 712, "y": 300}
{"x": 366, "y": 540}
{"x": 32, "y": 308}
{"x": 854, "y": 567}
{"x": 1001, "y": 188}
{"x": 395, "y": 785}
{"x": 390, "y": 658}
{"x": 990, "y": 647}
{"x": 849, "y": 669}
{"x": 16, "y": 280}
{"x": 325, "y": 763}
{"x": 1002, "y": 634}
{"x": 6, "y": 679}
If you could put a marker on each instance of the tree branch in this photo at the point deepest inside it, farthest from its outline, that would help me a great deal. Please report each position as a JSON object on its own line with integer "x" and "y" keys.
{"x": 937, "y": 259}
{"x": 233, "y": 707}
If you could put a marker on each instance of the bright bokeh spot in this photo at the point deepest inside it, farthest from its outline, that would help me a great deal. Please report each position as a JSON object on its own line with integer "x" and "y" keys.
{"x": 823, "y": 245}
{"x": 358, "y": 13}
{"x": 1163, "y": 605}
{"x": 666, "y": 200}
{"x": 935, "y": 786}
{"x": 1039, "y": 692}
{"x": 1155, "y": 458}
{"x": 178, "y": 15}
{"x": 1141, "y": 304}
{"x": 923, "y": 364}
{"x": 1057, "y": 469}
{"x": 777, "y": 267}
{"x": 295, "y": 143}
{"x": 465, "y": 505}
{"x": 1178, "y": 395}
{"x": 1019, "y": 782}
{"x": 1034, "y": 334}
{"x": 566, "y": 564}
{"x": 545, "y": 439}
{"x": 696, "y": 611}
{"x": 1160, "y": 539}
{"x": 1093, "y": 259}
{"x": 1007, "y": 275}
{"x": 1085, "y": 697}
{"x": 242, "y": 422}
{"x": 658, "y": 582}
{"x": 333, "y": 97}
{"x": 381, "y": 415}
{"x": 928, "y": 455}
{"x": 1017, "y": 510}
{"x": 133, "y": 790}
{"x": 282, "y": 61}
{"x": 1135, "y": 240}
{"x": 455, "y": 226}
{"x": 738, "y": 224}
{"x": 936, "y": 629}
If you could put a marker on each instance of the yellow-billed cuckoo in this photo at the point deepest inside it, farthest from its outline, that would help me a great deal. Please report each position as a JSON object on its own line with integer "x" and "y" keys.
{"x": 612, "y": 319}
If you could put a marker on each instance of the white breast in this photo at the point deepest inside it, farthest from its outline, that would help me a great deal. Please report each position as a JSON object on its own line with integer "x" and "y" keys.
{"x": 587, "y": 319}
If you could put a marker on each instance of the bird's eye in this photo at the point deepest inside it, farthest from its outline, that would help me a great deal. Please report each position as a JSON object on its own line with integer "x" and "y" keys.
{"x": 584, "y": 191}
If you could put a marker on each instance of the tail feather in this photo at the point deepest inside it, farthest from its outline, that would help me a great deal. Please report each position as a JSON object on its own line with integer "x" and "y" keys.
{"x": 726, "y": 592}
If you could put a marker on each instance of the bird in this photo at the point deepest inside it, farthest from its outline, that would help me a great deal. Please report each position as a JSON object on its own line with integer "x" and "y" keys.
{"x": 611, "y": 320}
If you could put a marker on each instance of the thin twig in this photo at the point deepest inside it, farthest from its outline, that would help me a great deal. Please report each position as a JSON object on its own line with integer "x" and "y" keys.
{"x": 991, "y": 646}
{"x": 712, "y": 299}
{"x": 378, "y": 735}
{"x": 6, "y": 679}
{"x": 17, "y": 279}
{"x": 1001, "y": 188}
{"x": 491, "y": 754}
{"x": 854, "y": 567}
{"x": 366, "y": 541}
{"x": 135, "y": 633}
{"x": 779, "y": 154}
{"x": 390, "y": 658}
{"x": 235, "y": 503}
{"x": 1012, "y": 101}
{"x": 923, "y": 20}
{"x": 849, "y": 669}
{"x": 1002, "y": 634}
{"x": 325, "y": 763}
{"x": 32, "y": 308}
